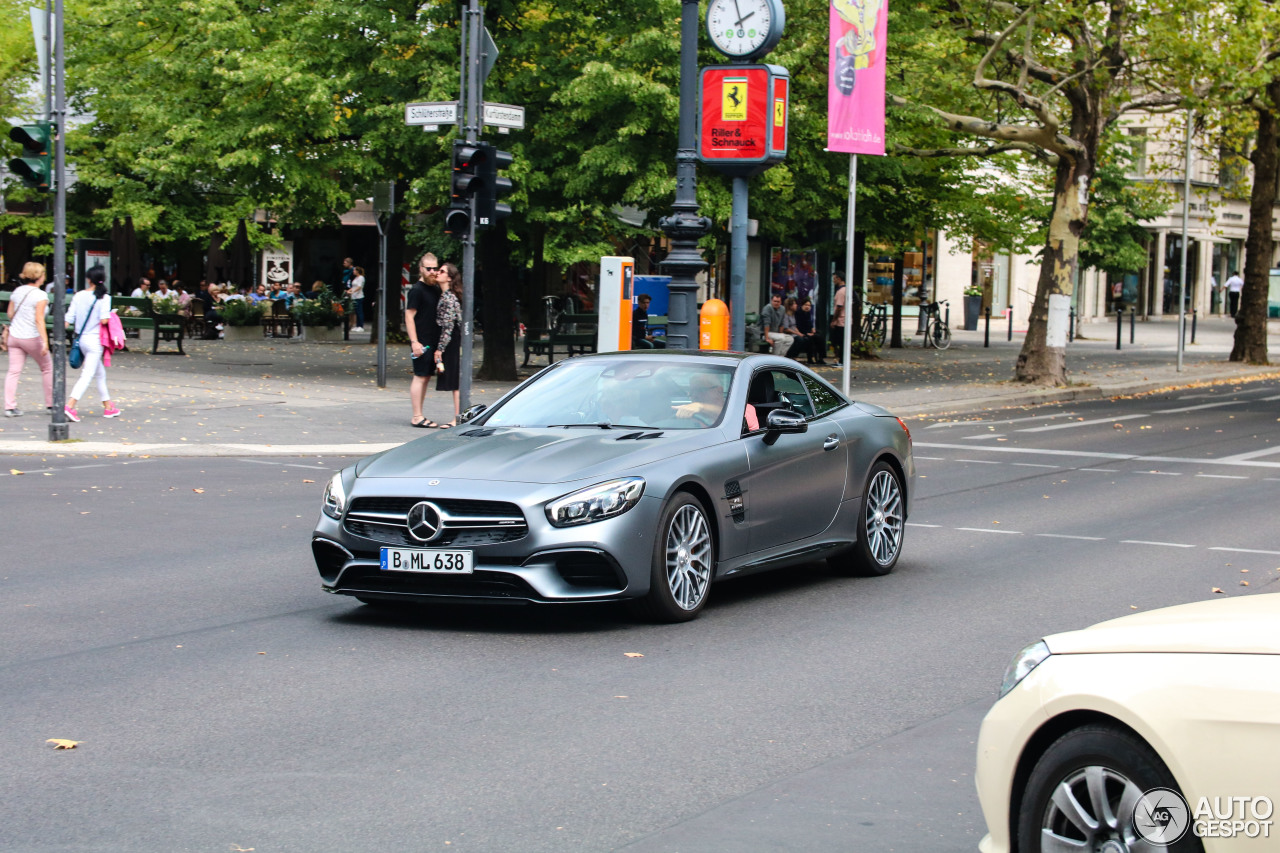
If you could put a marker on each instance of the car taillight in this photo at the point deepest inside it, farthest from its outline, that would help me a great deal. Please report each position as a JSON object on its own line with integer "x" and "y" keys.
{"x": 903, "y": 424}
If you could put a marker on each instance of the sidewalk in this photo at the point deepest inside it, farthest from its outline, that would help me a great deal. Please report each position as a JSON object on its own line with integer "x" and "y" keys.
{"x": 281, "y": 398}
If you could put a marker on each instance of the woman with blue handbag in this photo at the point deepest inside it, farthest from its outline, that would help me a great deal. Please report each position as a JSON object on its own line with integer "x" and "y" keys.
{"x": 90, "y": 310}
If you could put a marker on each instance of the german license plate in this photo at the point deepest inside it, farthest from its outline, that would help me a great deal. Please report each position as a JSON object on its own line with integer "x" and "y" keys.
{"x": 433, "y": 562}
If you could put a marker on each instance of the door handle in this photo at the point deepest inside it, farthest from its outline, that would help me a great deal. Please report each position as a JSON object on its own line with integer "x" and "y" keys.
{"x": 831, "y": 443}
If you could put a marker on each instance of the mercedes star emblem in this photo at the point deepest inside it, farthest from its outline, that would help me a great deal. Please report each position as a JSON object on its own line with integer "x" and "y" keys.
{"x": 424, "y": 521}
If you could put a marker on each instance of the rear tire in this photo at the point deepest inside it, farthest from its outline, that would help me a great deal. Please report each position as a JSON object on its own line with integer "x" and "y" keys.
{"x": 881, "y": 524}
{"x": 1083, "y": 790}
{"x": 939, "y": 335}
{"x": 683, "y": 563}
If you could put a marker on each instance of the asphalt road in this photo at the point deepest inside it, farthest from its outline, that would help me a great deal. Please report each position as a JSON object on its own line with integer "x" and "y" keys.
{"x": 165, "y": 613}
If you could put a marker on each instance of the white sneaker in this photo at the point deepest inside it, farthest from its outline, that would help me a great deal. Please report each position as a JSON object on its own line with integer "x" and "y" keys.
{"x": 13, "y": 413}
{"x": 358, "y": 329}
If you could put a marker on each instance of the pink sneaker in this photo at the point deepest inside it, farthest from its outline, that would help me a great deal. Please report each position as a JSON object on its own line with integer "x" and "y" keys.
{"x": 71, "y": 414}
{"x": 112, "y": 412}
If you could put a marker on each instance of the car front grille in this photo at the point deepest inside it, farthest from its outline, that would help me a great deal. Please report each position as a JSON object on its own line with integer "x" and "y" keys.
{"x": 466, "y": 523}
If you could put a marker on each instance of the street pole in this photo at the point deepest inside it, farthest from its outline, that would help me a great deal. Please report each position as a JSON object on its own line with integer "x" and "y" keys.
{"x": 382, "y": 286}
{"x": 738, "y": 268}
{"x": 471, "y": 95}
{"x": 1186, "y": 215}
{"x": 849, "y": 275}
{"x": 684, "y": 226}
{"x": 58, "y": 428}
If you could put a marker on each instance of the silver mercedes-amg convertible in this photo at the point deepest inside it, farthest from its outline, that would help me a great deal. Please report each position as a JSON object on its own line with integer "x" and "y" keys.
{"x": 640, "y": 476}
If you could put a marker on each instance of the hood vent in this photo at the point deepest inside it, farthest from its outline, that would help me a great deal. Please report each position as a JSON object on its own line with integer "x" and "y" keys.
{"x": 638, "y": 436}
{"x": 478, "y": 433}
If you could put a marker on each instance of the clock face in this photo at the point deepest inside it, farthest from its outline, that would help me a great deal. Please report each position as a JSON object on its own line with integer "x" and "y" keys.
{"x": 744, "y": 28}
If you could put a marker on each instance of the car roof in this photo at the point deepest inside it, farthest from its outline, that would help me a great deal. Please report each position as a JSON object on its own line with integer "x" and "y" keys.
{"x": 725, "y": 357}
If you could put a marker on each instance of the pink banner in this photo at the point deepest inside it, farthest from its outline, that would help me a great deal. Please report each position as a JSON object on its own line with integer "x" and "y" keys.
{"x": 855, "y": 84}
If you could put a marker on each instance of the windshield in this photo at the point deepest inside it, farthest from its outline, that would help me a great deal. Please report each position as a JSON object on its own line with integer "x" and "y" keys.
{"x": 608, "y": 393}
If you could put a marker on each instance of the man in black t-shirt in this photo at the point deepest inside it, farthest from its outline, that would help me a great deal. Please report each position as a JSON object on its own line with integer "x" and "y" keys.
{"x": 424, "y": 334}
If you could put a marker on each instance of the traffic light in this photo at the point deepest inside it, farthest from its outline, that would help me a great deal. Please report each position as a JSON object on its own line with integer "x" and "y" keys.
{"x": 35, "y": 166}
{"x": 463, "y": 184}
{"x": 457, "y": 219}
{"x": 492, "y": 187}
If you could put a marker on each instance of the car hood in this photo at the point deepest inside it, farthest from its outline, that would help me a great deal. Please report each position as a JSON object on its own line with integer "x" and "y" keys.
{"x": 1246, "y": 625}
{"x": 533, "y": 455}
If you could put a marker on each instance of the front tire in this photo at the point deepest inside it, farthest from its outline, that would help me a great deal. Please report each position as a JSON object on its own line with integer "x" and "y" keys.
{"x": 683, "y": 563}
{"x": 881, "y": 524}
{"x": 1083, "y": 791}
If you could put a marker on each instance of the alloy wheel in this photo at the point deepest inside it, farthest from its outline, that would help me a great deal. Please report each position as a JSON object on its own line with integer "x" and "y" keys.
{"x": 884, "y": 518}
{"x": 1090, "y": 810}
{"x": 688, "y": 557}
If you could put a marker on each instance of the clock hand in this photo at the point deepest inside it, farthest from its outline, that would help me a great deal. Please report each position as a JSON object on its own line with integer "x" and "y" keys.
{"x": 738, "y": 9}
{"x": 738, "y": 24}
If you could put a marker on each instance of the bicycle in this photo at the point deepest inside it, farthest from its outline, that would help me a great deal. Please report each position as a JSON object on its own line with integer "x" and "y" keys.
{"x": 937, "y": 330}
{"x": 875, "y": 325}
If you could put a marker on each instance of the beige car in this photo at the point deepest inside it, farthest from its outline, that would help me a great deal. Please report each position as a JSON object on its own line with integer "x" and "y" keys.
{"x": 1158, "y": 731}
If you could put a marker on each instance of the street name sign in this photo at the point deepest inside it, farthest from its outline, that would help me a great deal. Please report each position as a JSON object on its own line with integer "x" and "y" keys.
{"x": 437, "y": 113}
{"x": 504, "y": 115}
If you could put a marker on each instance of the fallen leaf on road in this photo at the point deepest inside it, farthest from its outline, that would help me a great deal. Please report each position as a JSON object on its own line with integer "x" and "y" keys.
{"x": 1133, "y": 607}
{"x": 198, "y": 491}
{"x": 1244, "y": 583}
{"x": 1117, "y": 426}
{"x": 15, "y": 472}
{"x": 63, "y": 743}
{"x": 633, "y": 654}
{"x": 308, "y": 481}
{"x": 1215, "y": 589}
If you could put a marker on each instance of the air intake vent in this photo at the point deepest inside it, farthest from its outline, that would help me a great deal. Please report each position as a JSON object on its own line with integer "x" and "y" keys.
{"x": 478, "y": 433}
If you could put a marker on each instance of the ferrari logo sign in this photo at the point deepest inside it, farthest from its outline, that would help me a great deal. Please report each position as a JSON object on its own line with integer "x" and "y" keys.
{"x": 733, "y": 105}
{"x": 743, "y": 119}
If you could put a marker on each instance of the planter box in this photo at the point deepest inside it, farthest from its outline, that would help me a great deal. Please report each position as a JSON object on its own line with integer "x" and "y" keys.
{"x": 320, "y": 334}
{"x": 242, "y": 334}
{"x": 972, "y": 312}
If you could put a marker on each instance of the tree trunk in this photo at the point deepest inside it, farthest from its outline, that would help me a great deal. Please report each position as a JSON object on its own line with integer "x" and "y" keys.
{"x": 1251, "y": 318}
{"x": 498, "y": 310}
{"x": 1043, "y": 358}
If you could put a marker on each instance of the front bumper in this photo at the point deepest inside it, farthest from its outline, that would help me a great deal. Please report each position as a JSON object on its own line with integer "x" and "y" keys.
{"x": 601, "y": 561}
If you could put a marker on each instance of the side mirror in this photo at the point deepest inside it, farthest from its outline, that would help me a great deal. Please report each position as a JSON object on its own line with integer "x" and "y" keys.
{"x": 780, "y": 421}
{"x": 472, "y": 413}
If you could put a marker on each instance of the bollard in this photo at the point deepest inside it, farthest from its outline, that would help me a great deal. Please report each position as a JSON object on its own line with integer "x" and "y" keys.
{"x": 986, "y": 334}
{"x": 1009, "y": 314}
{"x": 713, "y": 325}
{"x": 1133, "y": 315}
{"x": 1119, "y": 325}
{"x": 1193, "y": 325}
{"x": 1071, "y": 326}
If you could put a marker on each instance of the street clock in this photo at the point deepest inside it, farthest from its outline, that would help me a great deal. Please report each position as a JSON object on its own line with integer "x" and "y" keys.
{"x": 745, "y": 29}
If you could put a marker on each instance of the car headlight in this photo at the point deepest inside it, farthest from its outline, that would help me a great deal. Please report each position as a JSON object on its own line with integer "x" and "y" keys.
{"x": 335, "y": 497}
{"x": 595, "y": 503}
{"x": 1022, "y": 664}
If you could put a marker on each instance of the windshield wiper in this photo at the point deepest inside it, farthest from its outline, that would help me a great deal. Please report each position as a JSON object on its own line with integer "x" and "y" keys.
{"x": 596, "y": 425}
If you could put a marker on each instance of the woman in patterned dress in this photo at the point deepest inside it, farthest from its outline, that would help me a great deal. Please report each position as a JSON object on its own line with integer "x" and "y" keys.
{"x": 449, "y": 317}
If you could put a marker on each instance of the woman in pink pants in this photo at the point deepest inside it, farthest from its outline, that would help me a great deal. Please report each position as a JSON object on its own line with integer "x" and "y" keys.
{"x": 28, "y": 337}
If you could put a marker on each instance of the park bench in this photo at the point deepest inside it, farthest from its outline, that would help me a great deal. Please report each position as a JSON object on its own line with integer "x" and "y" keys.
{"x": 574, "y": 333}
{"x": 164, "y": 327}
{"x": 48, "y": 317}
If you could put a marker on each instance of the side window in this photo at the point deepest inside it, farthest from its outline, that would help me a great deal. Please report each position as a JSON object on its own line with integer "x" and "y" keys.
{"x": 824, "y": 397}
{"x": 791, "y": 391}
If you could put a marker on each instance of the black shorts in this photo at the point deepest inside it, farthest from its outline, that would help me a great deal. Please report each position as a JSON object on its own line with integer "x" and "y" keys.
{"x": 423, "y": 365}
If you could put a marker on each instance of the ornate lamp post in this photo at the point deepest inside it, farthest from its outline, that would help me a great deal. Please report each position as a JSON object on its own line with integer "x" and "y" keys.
{"x": 684, "y": 226}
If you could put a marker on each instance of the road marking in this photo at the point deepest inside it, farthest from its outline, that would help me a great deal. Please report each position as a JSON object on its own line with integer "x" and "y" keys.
{"x": 1223, "y": 476}
{"x": 989, "y": 530}
{"x": 917, "y": 524}
{"x": 1201, "y": 406}
{"x": 1034, "y": 465}
{"x": 1083, "y": 423}
{"x": 1244, "y": 550}
{"x": 1101, "y": 470}
{"x": 981, "y": 461}
{"x": 981, "y": 437}
{"x": 1160, "y": 473}
{"x": 930, "y": 458}
{"x": 1096, "y": 454}
{"x": 1163, "y": 544}
{"x": 995, "y": 423}
{"x": 1238, "y": 393}
{"x": 1069, "y": 536}
{"x": 288, "y": 464}
{"x": 1252, "y": 454}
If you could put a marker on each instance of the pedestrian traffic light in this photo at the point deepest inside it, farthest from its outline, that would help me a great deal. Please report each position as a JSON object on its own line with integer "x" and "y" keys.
{"x": 466, "y": 170}
{"x": 492, "y": 187}
{"x": 35, "y": 166}
{"x": 457, "y": 219}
